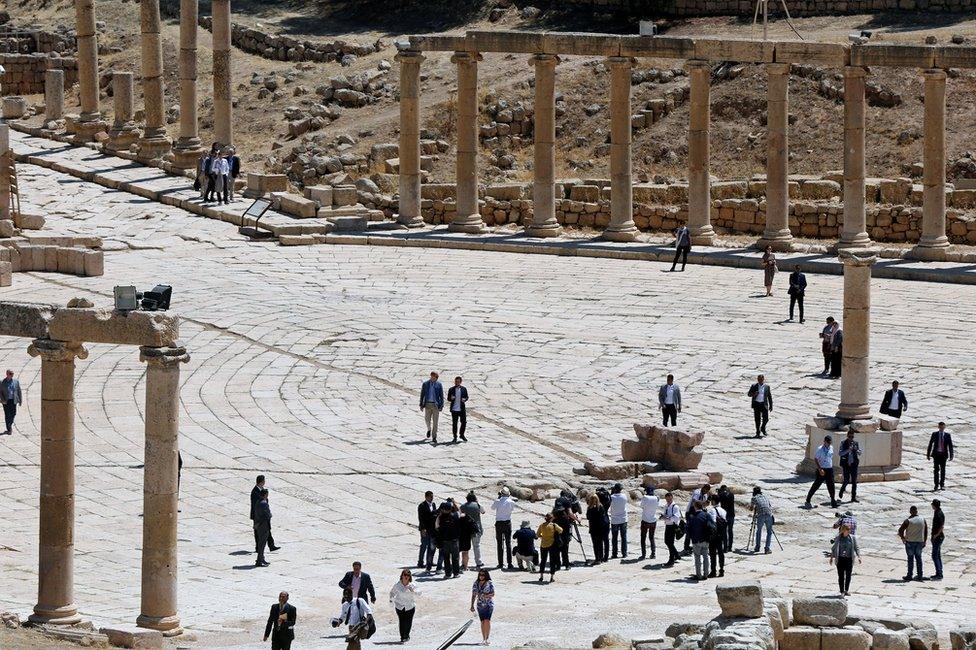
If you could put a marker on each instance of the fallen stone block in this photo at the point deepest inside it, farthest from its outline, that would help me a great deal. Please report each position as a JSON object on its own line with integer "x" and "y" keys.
{"x": 297, "y": 206}
{"x": 611, "y": 472}
{"x": 14, "y": 108}
{"x": 133, "y": 637}
{"x": 963, "y": 638}
{"x": 611, "y": 640}
{"x": 822, "y": 612}
{"x": 844, "y": 638}
{"x": 923, "y": 636}
{"x": 344, "y": 195}
{"x": 888, "y": 423}
{"x": 885, "y": 639}
{"x": 864, "y": 426}
{"x": 828, "y": 422}
{"x": 740, "y": 599}
{"x": 662, "y": 480}
{"x": 800, "y": 638}
{"x": 321, "y": 194}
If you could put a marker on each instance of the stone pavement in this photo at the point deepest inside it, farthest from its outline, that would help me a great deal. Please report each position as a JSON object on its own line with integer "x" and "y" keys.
{"x": 306, "y": 362}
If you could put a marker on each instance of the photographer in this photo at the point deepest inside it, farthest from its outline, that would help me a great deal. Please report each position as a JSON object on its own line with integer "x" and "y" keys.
{"x": 566, "y": 513}
{"x": 762, "y": 512}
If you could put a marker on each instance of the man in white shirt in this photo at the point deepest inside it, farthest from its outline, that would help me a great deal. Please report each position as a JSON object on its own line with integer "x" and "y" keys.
{"x": 762, "y": 403}
{"x": 618, "y": 519}
{"x": 701, "y": 494}
{"x": 669, "y": 400}
{"x": 649, "y": 504}
{"x": 672, "y": 519}
{"x": 503, "y": 507}
{"x": 825, "y": 471}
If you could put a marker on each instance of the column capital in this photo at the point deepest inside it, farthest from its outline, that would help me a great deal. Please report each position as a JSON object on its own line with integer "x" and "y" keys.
{"x": 408, "y": 57}
{"x": 698, "y": 64}
{"x": 934, "y": 74}
{"x": 858, "y": 256}
{"x": 627, "y": 61}
{"x": 163, "y": 357}
{"x": 50, "y": 350}
{"x": 855, "y": 71}
{"x": 778, "y": 68}
{"x": 466, "y": 57}
{"x": 537, "y": 59}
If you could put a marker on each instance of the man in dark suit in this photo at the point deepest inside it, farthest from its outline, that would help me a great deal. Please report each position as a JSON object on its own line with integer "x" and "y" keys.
{"x": 281, "y": 623}
{"x": 11, "y": 398}
{"x": 426, "y": 516}
{"x": 940, "y": 450}
{"x": 431, "y": 403}
{"x": 457, "y": 395}
{"x": 762, "y": 403}
{"x": 850, "y": 460}
{"x": 360, "y": 583}
{"x": 894, "y": 401}
{"x": 262, "y": 526}
{"x": 798, "y": 288}
{"x": 255, "y": 499}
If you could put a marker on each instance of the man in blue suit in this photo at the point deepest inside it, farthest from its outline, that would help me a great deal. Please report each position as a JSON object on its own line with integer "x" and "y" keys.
{"x": 431, "y": 403}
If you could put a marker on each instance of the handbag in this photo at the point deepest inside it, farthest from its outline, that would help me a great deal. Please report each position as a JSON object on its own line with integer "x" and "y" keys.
{"x": 370, "y": 627}
{"x": 678, "y": 534}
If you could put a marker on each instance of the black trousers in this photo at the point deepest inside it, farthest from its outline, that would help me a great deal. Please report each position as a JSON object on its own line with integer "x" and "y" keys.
{"x": 670, "y": 411}
{"x": 826, "y": 356}
{"x": 938, "y": 468}
{"x": 850, "y": 478}
{"x": 796, "y": 299}
{"x": 845, "y": 567}
{"x": 762, "y": 417}
{"x": 552, "y": 555}
{"x": 682, "y": 252}
{"x": 212, "y": 186}
{"x": 503, "y": 534}
{"x": 669, "y": 532}
{"x": 828, "y": 478}
{"x": 729, "y": 521}
{"x": 405, "y": 617}
{"x": 601, "y": 546}
{"x": 647, "y": 531}
{"x": 9, "y": 413}
{"x": 836, "y": 361}
{"x": 270, "y": 539}
{"x": 716, "y": 549}
{"x": 281, "y": 641}
{"x": 262, "y": 533}
{"x": 564, "y": 539}
{"x": 457, "y": 416}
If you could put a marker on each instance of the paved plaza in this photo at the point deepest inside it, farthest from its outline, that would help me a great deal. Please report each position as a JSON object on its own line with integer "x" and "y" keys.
{"x": 305, "y": 366}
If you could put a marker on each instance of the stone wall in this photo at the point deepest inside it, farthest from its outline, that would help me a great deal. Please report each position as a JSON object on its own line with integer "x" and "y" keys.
{"x": 797, "y": 7}
{"x": 32, "y": 41}
{"x": 25, "y": 72}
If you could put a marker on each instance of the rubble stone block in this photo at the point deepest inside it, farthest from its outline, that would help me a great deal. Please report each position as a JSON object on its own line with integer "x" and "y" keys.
{"x": 6, "y": 274}
{"x": 800, "y": 638}
{"x": 823, "y": 612}
{"x": 610, "y": 471}
{"x": 740, "y": 599}
{"x": 343, "y": 195}
{"x": 885, "y": 639}
{"x": 14, "y": 108}
{"x": 636, "y": 450}
{"x": 321, "y": 194}
{"x": 94, "y": 263}
{"x": 845, "y": 638}
{"x": 888, "y": 423}
{"x": 963, "y": 638}
{"x": 297, "y": 206}
{"x": 133, "y": 637}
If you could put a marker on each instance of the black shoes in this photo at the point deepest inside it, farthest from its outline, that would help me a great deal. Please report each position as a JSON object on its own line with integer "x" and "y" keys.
{"x": 273, "y": 548}
{"x": 262, "y": 563}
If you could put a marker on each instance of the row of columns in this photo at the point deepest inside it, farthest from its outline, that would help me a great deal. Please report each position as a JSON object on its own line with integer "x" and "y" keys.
{"x": 55, "y": 592}
{"x": 621, "y": 228}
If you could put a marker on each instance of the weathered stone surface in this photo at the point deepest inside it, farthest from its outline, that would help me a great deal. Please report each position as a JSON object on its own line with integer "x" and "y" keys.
{"x": 677, "y": 629}
{"x": 923, "y": 636}
{"x": 828, "y": 422}
{"x": 611, "y": 640}
{"x": 885, "y": 639}
{"x": 296, "y": 205}
{"x": 864, "y": 426}
{"x": 820, "y": 611}
{"x": 610, "y": 471}
{"x": 844, "y": 638}
{"x": 888, "y": 423}
{"x": 800, "y": 638}
{"x": 740, "y": 599}
{"x": 133, "y": 637}
{"x": 671, "y": 447}
{"x": 963, "y": 638}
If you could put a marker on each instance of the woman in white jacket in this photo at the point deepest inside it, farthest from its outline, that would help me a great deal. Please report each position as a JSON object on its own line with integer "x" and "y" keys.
{"x": 404, "y": 601}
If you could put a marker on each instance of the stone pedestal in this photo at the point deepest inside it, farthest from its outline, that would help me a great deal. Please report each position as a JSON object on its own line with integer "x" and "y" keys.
{"x": 854, "y": 386}
{"x": 699, "y": 181}
{"x": 89, "y": 121}
{"x": 854, "y": 233}
{"x": 187, "y": 149}
{"x": 124, "y": 132}
{"x": 53, "y": 95}
{"x": 544, "y": 223}
{"x": 777, "y": 232}
{"x": 161, "y": 490}
{"x": 468, "y": 217}
{"x": 410, "y": 139}
{"x": 154, "y": 142}
{"x": 933, "y": 243}
{"x": 55, "y": 592}
{"x": 881, "y": 451}
{"x": 223, "y": 110}
{"x": 621, "y": 227}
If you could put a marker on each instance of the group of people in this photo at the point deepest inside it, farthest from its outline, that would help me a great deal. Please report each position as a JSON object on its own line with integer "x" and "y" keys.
{"x": 217, "y": 172}
{"x": 760, "y": 396}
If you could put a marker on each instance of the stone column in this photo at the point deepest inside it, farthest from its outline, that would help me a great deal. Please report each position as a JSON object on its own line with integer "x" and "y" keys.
{"x": 154, "y": 142}
{"x": 777, "y": 232}
{"x": 854, "y": 382}
{"x": 854, "y": 233}
{"x": 124, "y": 131}
{"x": 187, "y": 149}
{"x": 699, "y": 181}
{"x": 6, "y": 160}
{"x": 621, "y": 227}
{"x": 468, "y": 217}
{"x": 161, "y": 489}
{"x": 410, "y": 139}
{"x": 933, "y": 242}
{"x": 544, "y": 222}
{"x": 53, "y": 95}
{"x": 90, "y": 120}
{"x": 223, "y": 111}
{"x": 56, "y": 541}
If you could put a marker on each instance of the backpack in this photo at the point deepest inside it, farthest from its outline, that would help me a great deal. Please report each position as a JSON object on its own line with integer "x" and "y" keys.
{"x": 711, "y": 527}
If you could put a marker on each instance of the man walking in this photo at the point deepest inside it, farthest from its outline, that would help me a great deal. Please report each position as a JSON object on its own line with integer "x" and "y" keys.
{"x": 669, "y": 399}
{"x": 682, "y": 246}
{"x": 762, "y": 403}
{"x": 825, "y": 472}
{"x": 426, "y": 514}
{"x": 255, "y": 499}
{"x": 431, "y": 403}
{"x": 762, "y": 511}
{"x": 11, "y": 398}
{"x": 649, "y": 504}
{"x": 473, "y": 511}
{"x": 281, "y": 623}
{"x": 850, "y": 459}
{"x": 698, "y": 531}
{"x": 798, "y": 288}
{"x": 913, "y": 533}
{"x": 618, "y": 519}
{"x": 503, "y": 507}
{"x": 360, "y": 583}
{"x": 938, "y": 536}
{"x": 457, "y": 395}
{"x": 894, "y": 401}
{"x": 826, "y": 336}
{"x": 262, "y": 527}
{"x": 672, "y": 519}
{"x": 940, "y": 450}
{"x": 727, "y": 500}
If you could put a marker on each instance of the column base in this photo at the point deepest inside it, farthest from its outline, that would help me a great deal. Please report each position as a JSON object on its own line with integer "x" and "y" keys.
{"x": 85, "y": 131}
{"x": 121, "y": 140}
{"x": 547, "y": 230}
{"x": 780, "y": 240}
{"x": 153, "y": 148}
{"x": 186, "y": 157}
{"x": 881, "y": 449}
{"x": 411, "y": 222}
{"x": 64, "y": 615}
{"x": 859, "y": 240}
{"x": 472, "y": 225}
{"x": 168, "y": 625}
{"x": 930, "y": 250}
{"x": 850, "y": 412}
{"x": 702, "y": 235}
{"x": 624, "y": 234}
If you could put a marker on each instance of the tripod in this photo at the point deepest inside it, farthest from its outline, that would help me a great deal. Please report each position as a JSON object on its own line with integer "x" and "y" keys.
{"x": 752, "y": 533}
{"x": 764, "y": 4}
{"x": 579, "y": 538}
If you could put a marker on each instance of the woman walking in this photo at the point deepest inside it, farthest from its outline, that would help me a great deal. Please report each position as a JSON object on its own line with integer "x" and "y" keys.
{"x": 483, "y": 594}
{"x": 403, "y": 597}
{"x": 769, "y": 269}
{"x": 548, "y": 534}
{"x": 599, "y": 522}
{"x": 843, "y": 552}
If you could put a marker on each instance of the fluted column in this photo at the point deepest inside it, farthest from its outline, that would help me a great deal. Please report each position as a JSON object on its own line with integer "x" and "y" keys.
{"x": 154, "y": 141}
{"x": 621, "y": 227}
{"x": 933, "y": 242}
{"x": 56, "y": 539}
{"x": 544, "y": 222}
{"x": 53, "y": 95}
{"x": 699, "y": 180}
{"x": 410, "y": 138}
{"x": 468, "y": 217}
{"x": 223, "y": 110}
{"x": 160, "y": 489}
{"x": 854, "y": 382}
{"x": 854, "y": 233}
{"x": 6, "y": 160}
{"x": 187, "y": 149}
{"x": 124, "y": 131}
{"x": 777, "y": 232}
{"x": 90, "y": 119}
